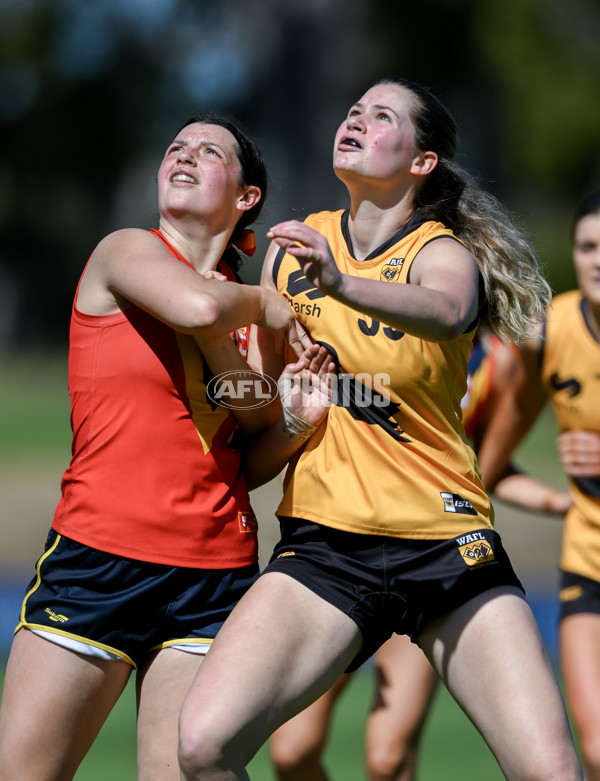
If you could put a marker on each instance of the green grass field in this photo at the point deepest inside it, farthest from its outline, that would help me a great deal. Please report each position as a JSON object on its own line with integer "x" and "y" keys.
{"x": 34, "y": 425}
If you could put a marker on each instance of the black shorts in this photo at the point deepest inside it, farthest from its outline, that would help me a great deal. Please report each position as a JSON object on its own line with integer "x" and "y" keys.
{"x": 108, "y": 605}
{"x": 388, "y": 584}
{"x": 577, "y": 594}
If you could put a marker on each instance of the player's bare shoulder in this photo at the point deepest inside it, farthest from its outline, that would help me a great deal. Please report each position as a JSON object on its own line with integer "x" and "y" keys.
{"x": 96, "y": 294}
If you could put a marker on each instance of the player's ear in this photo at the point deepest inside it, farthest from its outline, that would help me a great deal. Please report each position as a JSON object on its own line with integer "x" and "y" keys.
{"x": 424, "y": 163}
{"x": 249, "y": 197}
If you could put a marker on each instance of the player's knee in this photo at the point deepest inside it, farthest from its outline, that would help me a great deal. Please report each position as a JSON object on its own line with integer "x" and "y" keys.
{"x": 291, "y": 760}
{"x": 393, "y": 763}
{"x": 195, "y": 757}
{"x": 200, "y": 750}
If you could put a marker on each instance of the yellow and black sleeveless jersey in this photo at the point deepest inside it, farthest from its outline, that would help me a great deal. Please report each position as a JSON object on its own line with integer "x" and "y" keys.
{"x": 571, "y": 376}
{"x": 392, "y": 457}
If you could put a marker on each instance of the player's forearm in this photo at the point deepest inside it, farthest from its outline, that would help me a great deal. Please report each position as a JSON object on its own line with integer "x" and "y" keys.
{"x": 527, "y": 492}
{"x": 420, "y": 311}
{"x": 509, "y": 424}
{"x": 251, "y": 398}
{"x": 267, "y": 454}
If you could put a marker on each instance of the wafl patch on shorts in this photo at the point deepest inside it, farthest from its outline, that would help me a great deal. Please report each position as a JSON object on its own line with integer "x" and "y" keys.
{"x": 475, "y": 549}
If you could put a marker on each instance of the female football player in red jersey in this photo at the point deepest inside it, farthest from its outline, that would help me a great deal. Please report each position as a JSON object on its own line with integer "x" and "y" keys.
{"x": 154, "y": 539}
{"x": 563, "y": 364}
{"x": 386, "y": 525}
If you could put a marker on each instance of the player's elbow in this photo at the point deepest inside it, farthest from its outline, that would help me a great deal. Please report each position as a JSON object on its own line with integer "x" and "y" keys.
{"x": 202, "y": 314}
{"x": 448, "y": 331}
{"x": 449, "y": 325}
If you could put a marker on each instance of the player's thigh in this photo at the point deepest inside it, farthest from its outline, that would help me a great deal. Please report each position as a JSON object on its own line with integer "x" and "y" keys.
{"x": 490, "y": 654}
{"x": 54, "y": 703}
{"x": 580, "y": 660}
{"x": 162, "y": 684}
{"x": 281, "y": 648}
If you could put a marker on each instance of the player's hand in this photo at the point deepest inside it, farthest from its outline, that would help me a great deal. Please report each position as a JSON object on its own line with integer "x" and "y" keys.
{"x": 214, "y": 274}
{"x": 278, "y": 318}
{"x": 579, "y": 452}
{"x": 312, "y": 250}
{"x": 306, "y": 387}
{"x": 558, "y": 502}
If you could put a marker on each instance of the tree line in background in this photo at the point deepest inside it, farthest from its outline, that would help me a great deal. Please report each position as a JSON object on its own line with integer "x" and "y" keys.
{"x": 91, "y": 92}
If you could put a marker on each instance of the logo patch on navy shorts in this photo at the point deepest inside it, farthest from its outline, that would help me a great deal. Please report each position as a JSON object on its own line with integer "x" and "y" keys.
{"x": 58, "y": 617}
{"x": 454, "y": 503}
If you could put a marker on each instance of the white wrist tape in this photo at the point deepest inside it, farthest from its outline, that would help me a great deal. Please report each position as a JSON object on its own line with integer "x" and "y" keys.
{"x": 291, "y": 425}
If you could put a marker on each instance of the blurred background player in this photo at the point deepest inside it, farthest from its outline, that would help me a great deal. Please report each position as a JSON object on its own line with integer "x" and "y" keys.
{"x": 563, "y": 364}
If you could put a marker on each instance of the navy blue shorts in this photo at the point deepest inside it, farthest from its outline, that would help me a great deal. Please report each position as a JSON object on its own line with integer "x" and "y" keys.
{"x": 577, "y": 594}
{"x": 115, "y": 607}
{"x": 388, "y": 584}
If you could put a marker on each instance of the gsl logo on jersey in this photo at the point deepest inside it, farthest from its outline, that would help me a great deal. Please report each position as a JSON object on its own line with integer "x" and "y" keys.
{"x": 454, "y": 503}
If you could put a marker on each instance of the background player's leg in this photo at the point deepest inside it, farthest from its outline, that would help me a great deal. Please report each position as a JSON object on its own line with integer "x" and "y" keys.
{"x": 297, "y": 746}
{"x": 406, "y": 683}
{"x": 580, "y": 659}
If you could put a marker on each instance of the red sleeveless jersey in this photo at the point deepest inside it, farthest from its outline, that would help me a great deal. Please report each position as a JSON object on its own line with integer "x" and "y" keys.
{"x": 155, "y": 471}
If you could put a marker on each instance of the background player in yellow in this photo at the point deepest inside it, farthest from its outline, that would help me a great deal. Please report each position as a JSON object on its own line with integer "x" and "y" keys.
{"x": 563, "y": 365}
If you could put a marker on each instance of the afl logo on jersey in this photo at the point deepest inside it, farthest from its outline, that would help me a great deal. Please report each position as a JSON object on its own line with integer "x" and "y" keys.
{"x": 391, "y": 270}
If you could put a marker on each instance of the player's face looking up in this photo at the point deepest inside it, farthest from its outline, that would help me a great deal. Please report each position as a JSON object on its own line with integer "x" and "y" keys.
{"x": 201, "y": 173}
{"x": 376, "y": 141}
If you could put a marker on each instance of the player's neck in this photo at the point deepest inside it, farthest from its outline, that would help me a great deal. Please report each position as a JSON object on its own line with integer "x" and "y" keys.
{"x": 371, "y": 225}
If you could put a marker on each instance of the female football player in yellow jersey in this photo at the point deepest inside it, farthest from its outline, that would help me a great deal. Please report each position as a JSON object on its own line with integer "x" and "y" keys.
{"x": 404, "y": 679}
{"x": 386, "y": 526}
{"x": 563, "y": 364}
